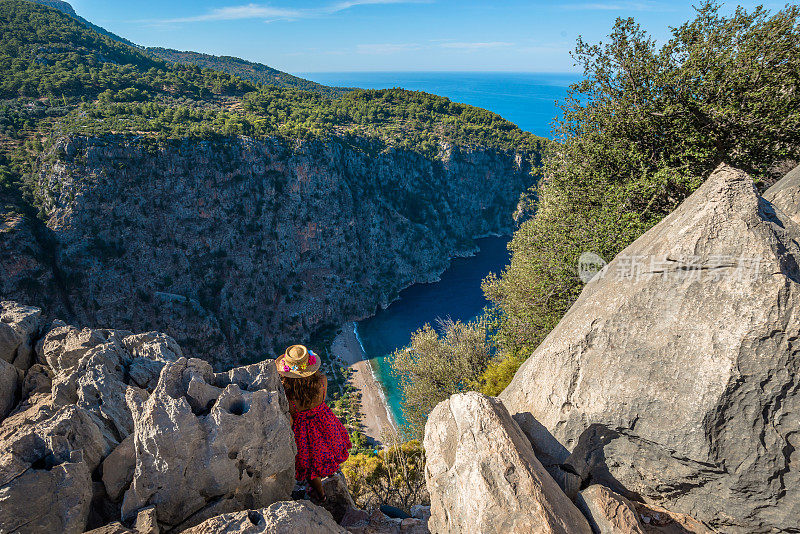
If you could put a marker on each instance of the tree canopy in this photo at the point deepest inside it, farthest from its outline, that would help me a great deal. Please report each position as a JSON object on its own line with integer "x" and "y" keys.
{"x": 637, "y": 136}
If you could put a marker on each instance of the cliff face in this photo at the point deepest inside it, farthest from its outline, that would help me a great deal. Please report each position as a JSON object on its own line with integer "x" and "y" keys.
{"x": 237, "y": 246}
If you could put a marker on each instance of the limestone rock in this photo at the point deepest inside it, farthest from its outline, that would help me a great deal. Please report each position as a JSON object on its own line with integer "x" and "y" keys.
{"x": 338, "y": 498}
{"x": 374, "y": 523}
{"x": 64, "y": 346}
{"x": 150, "y": 351}
{"x": 9, "y": 388}
{"x": 483, "y": 477}
{"x": 657, "y": 520}
{"x": 153, "y": 346}
{"x": 96, "y": 383}
{"x": 686, "y": 343}
{"x": 641, "y": 469}
{"x": 30, "y": 412}
{"x": 421, "y": 512}
{"x": 198, "y": 455}
{"x": 608, "y": 512}
{"x": 112, "y": 528}
{"x": 18, "y": 325}
{"x": 286, "y": 517}
{"x": 45, "y": 471}
{"x": 50, "y": 498}
{"x": 38, "y": 379}
{"x": 118, "y": 469}
{"x": 785, "y": 195}
{"x": 147, "y": 521}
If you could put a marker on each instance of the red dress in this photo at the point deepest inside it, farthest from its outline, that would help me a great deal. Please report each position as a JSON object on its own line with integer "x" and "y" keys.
{"x": 322, "y": 443}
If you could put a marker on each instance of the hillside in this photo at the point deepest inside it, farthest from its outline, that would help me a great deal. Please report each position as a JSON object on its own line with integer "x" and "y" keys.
{"x": 65, "y": 7}
{"x": 247, "y": 70}
{"x": 254, "y": 72}
{"x": 288, "y": 211}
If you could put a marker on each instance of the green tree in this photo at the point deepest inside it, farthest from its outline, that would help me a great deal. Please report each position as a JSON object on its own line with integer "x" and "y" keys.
{"x": 639, "y": 135}
{"x": 433, "y": 367}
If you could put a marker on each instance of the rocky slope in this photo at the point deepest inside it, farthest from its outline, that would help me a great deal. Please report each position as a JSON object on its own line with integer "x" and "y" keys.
{"x": 237, "y": 246}
{"x": 680, "y": 415}
{"x": 673, "y": 379}
{"x": 123, "y": 433}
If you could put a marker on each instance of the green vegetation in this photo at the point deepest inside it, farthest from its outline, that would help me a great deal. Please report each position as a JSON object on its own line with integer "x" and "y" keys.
{"x": 247, "y": 70}
{"x": 46, "y": 53}
{"x": 393, "y": 476}
{"x": 433, "y": 367}
{"x": 637, "y": 136}
{"x": 91, "y": 84}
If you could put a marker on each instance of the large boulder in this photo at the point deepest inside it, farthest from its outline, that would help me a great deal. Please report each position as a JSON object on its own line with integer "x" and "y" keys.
{"x": 18, "y": 326}
{"x": 64, "y": 346}
{"x": 687, "y": 343}
{"x": 118, "y": 469}
{"x": 483, "y": 476}
{"x": 45, "y": 470}
{"x": 150, "y": 352}
{"x": 96, "y": 382}
{"x": 287, "y": 517}
{"x": 209, "y": 444}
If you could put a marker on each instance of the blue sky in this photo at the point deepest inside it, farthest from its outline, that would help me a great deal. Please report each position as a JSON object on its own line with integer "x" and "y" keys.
{"x": 383, "y": 35}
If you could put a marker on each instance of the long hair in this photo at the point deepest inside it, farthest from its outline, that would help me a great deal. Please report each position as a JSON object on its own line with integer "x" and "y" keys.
{"x": 303, "y": 391}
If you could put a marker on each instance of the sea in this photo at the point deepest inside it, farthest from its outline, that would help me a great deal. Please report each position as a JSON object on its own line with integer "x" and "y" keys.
{"x": 526, "y": 99}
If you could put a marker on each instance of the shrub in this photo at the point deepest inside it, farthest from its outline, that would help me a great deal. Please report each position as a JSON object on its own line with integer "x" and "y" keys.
{"x": 433, "y": 367}
{"x": 393, "y": 476}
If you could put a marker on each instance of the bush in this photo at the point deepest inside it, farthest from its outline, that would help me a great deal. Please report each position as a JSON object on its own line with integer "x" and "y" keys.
{"x": 433, "y": 367}
{"x": 393, "y": 476}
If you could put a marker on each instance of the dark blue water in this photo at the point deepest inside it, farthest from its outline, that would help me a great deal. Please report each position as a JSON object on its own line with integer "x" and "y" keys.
{"x": 457, "y": 295}
{"x": 526, "y": 99}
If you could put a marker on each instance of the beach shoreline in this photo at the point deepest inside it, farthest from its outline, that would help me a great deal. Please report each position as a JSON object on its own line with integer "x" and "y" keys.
{"x": 376, "y": 418}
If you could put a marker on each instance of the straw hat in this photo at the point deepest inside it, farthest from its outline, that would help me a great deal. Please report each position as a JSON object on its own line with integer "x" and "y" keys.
{"x": 297, "y": 362}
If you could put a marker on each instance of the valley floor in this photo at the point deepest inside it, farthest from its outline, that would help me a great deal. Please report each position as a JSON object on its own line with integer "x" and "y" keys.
{"x": 375, "y": 417}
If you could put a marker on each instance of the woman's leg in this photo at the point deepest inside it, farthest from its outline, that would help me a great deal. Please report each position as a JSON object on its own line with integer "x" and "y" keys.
{"x": 316, "y": 485}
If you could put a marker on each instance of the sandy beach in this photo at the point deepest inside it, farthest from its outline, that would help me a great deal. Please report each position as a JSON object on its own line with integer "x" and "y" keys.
{"x": 375, "y": 416}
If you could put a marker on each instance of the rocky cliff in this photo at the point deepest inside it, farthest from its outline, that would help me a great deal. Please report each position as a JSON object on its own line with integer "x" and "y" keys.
{"x": 237, "y": 246}
{"x": 105, "y": 429}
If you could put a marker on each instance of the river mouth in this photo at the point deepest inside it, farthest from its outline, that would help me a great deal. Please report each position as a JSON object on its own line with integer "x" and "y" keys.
{"x": 456, "y": 295}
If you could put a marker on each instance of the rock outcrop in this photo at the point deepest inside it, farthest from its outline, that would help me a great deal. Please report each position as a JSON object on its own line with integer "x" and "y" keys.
{"x": 18, "y": 326}
{"x": 207, "y": 445}
{"x": 235, "y": 247}
{"x": 292, "y": 517}
{"x": 483, "y": 477}
{"x": 113, "y": 426}
{"x": 46, "y": 463}
{"x": 9, "y": 388}
{"x": 684, "y": 350}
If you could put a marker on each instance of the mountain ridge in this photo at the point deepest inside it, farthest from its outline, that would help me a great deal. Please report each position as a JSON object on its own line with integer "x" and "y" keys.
{"x": 248, "y": 70}
{"x": 324, "y": 208}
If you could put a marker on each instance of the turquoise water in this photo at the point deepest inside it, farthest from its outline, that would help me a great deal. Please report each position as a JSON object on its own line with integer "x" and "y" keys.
{"x": 526, "y": 99}
{"x": 457, "y": 295}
